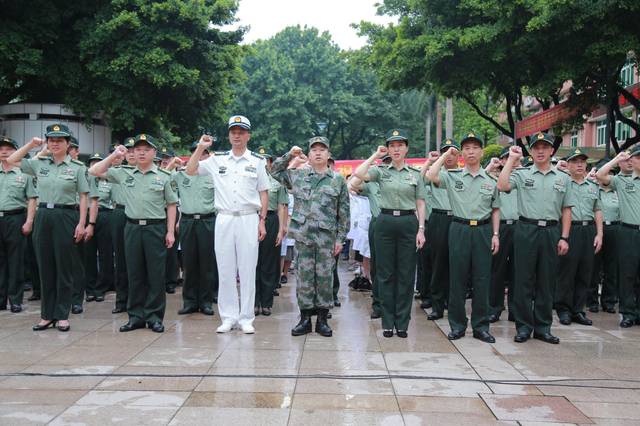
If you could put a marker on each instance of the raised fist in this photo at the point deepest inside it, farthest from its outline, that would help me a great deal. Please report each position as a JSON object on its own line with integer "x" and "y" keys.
{"x": 296, "y": 151}
{"x": 206, "y": 141}
{"x": 36, "y": 142}
{"x": 515, "y": 152}
{"x": 493, "y": 164}
{"x": 452, "y": 152}
{"x": 623, "y": 156}
{"x": 381, "y": 151}
{"x": 433, "y": 156}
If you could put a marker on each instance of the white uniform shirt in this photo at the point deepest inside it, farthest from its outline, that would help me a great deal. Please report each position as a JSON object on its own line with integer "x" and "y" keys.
{"x": 237, "y": 180}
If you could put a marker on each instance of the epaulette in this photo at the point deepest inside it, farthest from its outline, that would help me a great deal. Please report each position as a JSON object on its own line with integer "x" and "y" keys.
{"x": 415, "y": 169}
{"x": 125, "y": 166}
{"x": 166, "y": 172}
{"x": 80, "y": 163}
{"x": 46, "y": 157}
{"x": 257, "y": 155}
{"x": 523, "y": 168}
{"x": 221, "y": 153}
{"x": 455, "y": 171}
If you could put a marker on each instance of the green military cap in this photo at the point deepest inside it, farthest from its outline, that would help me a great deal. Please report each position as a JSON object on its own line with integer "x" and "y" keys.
{"x": 471, "y": 137}
{"x": 449, "y": 143}
{"x": 397, "y": 135}
{"x": 166, "y": 152}
{"x": 4, "y": 140}
{"x": 129, "y": 142}
{"x": 541, "y": 137}
{"x": 504, "y": 152}
{"x": 386, "y": 158}
{"x": 95, "y": 157}
{"x": 74, "y": 142}
{"x": 635, "y": 151}
{"x": 57, "y": 131}
{"x": 144, "y": 138}
{"x": 263, "y": 152}
{"x": 577, "y": 153}
{"x": 319, "y": 139}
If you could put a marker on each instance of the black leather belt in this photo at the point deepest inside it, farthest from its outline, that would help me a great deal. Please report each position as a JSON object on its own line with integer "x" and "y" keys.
{"x": 612, "y": 222}
{"x": 104, "y": 209}
{"x": 120, "y": 206}
{"x": 539, "y": 222}
{"x": 397, "y": 212}
{"x": 508, "y": 221}
{"x": 582, "y": 222}
{"x": 146, "y": 221}
{"x": 472, "y": 222}
{"x": 629, "y": 225}
{"x": 12, "y": 212}
{"x": 440, "y": 211}
{"x": 58, "y": 206}
{"x": 198, "y": 216}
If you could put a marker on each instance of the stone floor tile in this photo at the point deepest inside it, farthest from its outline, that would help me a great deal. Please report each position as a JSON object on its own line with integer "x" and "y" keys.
{"x": 534, "y": 408}
{"x": 196, "y": 416}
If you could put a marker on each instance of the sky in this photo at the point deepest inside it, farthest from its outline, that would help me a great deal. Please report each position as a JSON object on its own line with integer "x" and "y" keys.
{"x": 268, "y": 17}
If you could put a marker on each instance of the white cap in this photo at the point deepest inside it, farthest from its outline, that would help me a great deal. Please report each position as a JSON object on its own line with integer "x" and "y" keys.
{"x": 240, "y": 121}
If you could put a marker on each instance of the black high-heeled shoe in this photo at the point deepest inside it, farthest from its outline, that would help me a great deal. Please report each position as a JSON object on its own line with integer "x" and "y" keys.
{"x": 64, "y": 328}
{"x": 40, "y": 327}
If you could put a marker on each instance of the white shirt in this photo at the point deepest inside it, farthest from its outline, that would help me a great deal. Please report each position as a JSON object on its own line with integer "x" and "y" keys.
{"x": 237, "y": 180}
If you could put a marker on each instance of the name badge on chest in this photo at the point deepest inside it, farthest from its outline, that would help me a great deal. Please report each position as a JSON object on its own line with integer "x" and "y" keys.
{"x": 250, "y": 169}
{"x": 222, "y": 170}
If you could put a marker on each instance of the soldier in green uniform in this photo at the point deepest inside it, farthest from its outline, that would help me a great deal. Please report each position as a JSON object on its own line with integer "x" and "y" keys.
{"x": 18, "y": 199}
{"x": 399, "y": 229}
{"x": 502, "y": 268}
{"x": 59, "y": 224}
{"x": 475, "y": 204}
{"x": 576, "y": 268}
{"x": 318, "y": 224}
{"x": 268, "y": 267}
{"x": 150, "y": 207}
{"x": 99, "y": 249}
{"x": 171, "y": 275}
{"x": 197, "y": 236}
{"x": 627, "y": 187}
{"x": 438, "y": 233}
{"x": 118, "y": 223}
{"x": 545, "y": 197}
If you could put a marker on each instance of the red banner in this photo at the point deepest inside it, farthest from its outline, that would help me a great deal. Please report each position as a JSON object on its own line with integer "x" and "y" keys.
{"x": 542, "y": 120}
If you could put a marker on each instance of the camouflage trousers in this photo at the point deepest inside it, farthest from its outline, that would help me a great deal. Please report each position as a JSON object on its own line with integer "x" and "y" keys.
{"x": 315, "y": 274}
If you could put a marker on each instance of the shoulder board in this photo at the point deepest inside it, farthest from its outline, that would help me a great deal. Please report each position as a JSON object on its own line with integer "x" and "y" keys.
{"x": 415, "y": 169}
{"x": 80, "y": 163}
{"x": 126, "y": 166}
{"x": 523, "y": 168}
{"x": 164, "y": 171}
{"x": 455, "y": 171}
{"x": 47, "y": 157}
{"x": 492, "y": 177}
{"x": 257, "y": 155}
{"x": 221, "y": 153}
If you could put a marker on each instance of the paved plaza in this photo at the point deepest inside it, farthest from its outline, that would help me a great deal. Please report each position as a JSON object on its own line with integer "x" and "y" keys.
{"x": 162, "y": 378}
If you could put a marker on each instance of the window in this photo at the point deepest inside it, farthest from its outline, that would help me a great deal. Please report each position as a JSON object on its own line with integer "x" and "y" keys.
{"x": 601, "y": 130}
{"x": 623, "y": 131}
{"x": 574, "y": 139}
{"x": 627, "y": 74}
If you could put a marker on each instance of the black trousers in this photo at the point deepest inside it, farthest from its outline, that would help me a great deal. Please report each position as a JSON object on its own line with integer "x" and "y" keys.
{"x": 98, "y": 257}
{"x": 268, "y": 267}
{"x": 118, "y": 222}
{"x": 12, "y": 250}
{"x": 199, "y": 262}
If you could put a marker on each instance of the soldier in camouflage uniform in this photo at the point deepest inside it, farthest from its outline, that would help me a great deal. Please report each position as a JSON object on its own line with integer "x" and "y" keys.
{"x": 318, "y": 224}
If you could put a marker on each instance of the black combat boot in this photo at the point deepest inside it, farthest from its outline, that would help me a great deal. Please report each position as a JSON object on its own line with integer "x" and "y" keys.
{"x": 304, "y": 326}
{"x": 322, "y": 328}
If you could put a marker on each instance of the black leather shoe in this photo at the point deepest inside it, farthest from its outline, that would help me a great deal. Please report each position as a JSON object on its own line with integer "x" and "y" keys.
{"x": 170, "y": 289}
{"x": 387, "y": 333}
{"x": 434, "y": 316}
{"x": 130, "y": 326}
{"x": 375, "y": 315}
{"x": 90, "y": 298}
{"x": 455, "y": 335}
{"x": 33, "y": 298}
{"x": 565, "y": 320}
{"x": 99, "y": 299}
{"x": 336, "y": 303}
{"x": 485, "y": 336}
{"x": 322, "y": 328}
{"x": 3, "y": 307}
{"x": 157, "y": 327}
{"x": 402, "y": 333}
{"x": 521, "y": 337}
{"x": 494, "y": 318}
{"x": 593, "y": 309}
{"x": 637, "y": 321}
{"x": 118, "y": 310}
{"x": 304, "y": 325}
{"x": 39, "y": 327}
{"x": 185, "y": 311}
{"x": 77, "y": 309}
{"x": 215, "y": 300}
{"x": 610, "y": 309}
{"x": 283, "y": 279}
{"x": 626, "y": 323}
{"x": 276, "y": 293}
{"x": 207, "y": 310}
{"x": 426, "y": 304}
{"x": 16, "y": 308}
{"x": 266, "y": 312}
{"x": 547, "y": 338}
{"x": 582, "y": 319}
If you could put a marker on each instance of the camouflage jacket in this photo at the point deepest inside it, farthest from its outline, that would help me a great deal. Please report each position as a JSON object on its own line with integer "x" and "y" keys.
{"x": 321, "y": 202}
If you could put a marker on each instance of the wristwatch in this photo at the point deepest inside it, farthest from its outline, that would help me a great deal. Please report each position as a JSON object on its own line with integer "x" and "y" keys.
{"x": 496, "y": 234}
{"x": 566, "y": 239}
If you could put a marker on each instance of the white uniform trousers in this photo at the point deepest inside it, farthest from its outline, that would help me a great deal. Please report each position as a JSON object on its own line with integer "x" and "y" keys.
{"x": 236, "y": 245}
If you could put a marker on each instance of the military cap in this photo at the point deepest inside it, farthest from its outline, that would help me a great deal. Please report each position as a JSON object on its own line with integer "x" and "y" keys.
{"x": 504, "y": 152}
{"x": 263, "y": 152}
{"x": 397, "y": 135}
{"x": 602, "y": 162}
{"x": 239, "y": 121}
{"x": 73, "y": 142}
{"x": 95, "y": 157}
{"x": 541, "y": 137}
{"x": 144, "y": 138}
{"x": 57, "y": 131}
{"x": 129, "y": 142}
{"x": 166, "y": 152}
{"x": 386, "y": 158}
{"x": 4, "y": 140}
{"x": 577, "y": 153}
{"x": 635, "y": 151}
{"x": 471, "y": 137}
{"x": 319, "y": 139}
{"x": 449, "y": 143}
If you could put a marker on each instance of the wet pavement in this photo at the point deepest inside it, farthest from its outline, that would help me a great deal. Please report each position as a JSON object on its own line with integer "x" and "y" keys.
{"x": 190, "y": 375}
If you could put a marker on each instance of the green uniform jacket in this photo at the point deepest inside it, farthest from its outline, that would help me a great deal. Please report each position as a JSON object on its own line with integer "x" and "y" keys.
{"x": 628, "y": 189}
{"x": 15, "y": 189}
{"x": 587, "y": 200}
{"x": 196, "y": 193}
{"x": 57, "y": 184}
{"x": 399, "y": 189}
{"x": 610, "y": 206}
{"x": 277, "y": 194}
{"x": 101, "y": 189}
{"x": 471, "y": 197}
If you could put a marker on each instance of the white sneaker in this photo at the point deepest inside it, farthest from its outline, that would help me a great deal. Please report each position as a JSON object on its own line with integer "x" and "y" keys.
{"x": 248, "y": 329}
{"x": 225, "y": 327}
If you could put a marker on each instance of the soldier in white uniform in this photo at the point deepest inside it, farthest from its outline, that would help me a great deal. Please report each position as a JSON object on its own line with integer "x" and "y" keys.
{"x": 241, "y": 183}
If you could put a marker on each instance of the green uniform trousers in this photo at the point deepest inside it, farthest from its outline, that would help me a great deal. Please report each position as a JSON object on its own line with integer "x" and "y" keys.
{"x": 197, "y": 238}
{"x": 314, "y": 267}
{"x": 79, "y": 273}
{"x": 438, "y": 236}
{"x": 375, "y": 289}
{"x": 146, "y": 264}
{"x": 118, "y": 222}
{"x": 396, "y": 268}
{"x": 605, "y": 271}
{"x": 502, "y": 271}
{"x": 12, "y": 249}
{"x": 57, "y": 256}
{"x": 469, "y": 256}
{"x": 98, "y": 256}
{"x": 31, "y": 270}
{"x": 336, "y": 278}
{"x": 575, "y": 271}
{"x": 171, "y": 273}
{"x": 423, "y": 275}
{"x": 268, "y": 267}
{"x": 536, "y": 262}
{"x": 629, "y": 269}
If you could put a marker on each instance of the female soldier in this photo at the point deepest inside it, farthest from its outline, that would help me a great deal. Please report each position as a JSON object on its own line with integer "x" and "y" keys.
{"x": 60, "y": 181}
{"x": 399, "y": 233}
